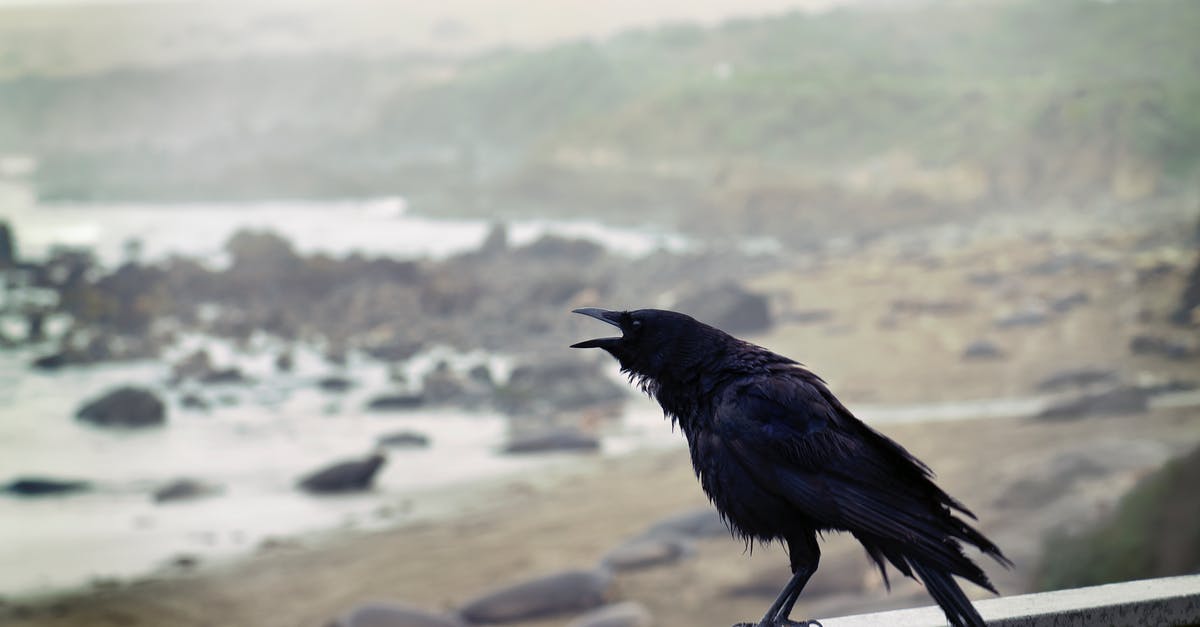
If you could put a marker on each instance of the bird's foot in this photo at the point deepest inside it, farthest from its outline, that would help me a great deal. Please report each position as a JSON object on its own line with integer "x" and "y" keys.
{"x": 782, "y": 623}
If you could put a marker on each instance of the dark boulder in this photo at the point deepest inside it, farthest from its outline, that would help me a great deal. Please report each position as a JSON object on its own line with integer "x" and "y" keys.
{"x": 1178, "y": 350}
{"x": 982, "y": 350}
{"x": 1187, "y": 313}
{"x": 43, "y": 486}
{"x": 225, "y": 376}
{"x": 555, "y": 439}
{"x": 1115, "y": 401}
{"x": 8, "y": 246}
{"x": 625, "y": 614}
{"x": 184, "y": 490}
{"x": 395, "y": 402}
{"x": 445, "y": 386}
{"x": 194, "y": 366}
{"x": 729, "y": 307}
{"x": 642, "y": 553}
{"x": 349, "y": 476}
{"x": 125, "y": 407}
{"x": 380, "y": 614}
{"x": 1080, "y": 377}
{"x": 409, "y": 439}
{"x": 335, "y": 383}
{"x": 561, "y": 593}
{"x": 194, "y": 401}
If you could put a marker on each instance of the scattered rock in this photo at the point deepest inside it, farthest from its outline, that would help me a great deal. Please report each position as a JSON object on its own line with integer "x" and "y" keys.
{"x": 184, "y": 490}
{"x": 729, "y": 307}
{"x": 1188, "y": 311}
{"x": 224, "y": 376}
{"x": 386, "y": 614}
{"x": 194, "y": 401}
{"x": 395, "y": 402}
{"x": 1119, "y": 400}
{"x": 930, "y": 307}
{"x": 981, "y": 350}
{"x": 1080, "y": 377}
{"x": 558, "y": 439}
{"x": 194, "y": 366}
{"x": 445, "y": 386}
{"x": 285, "y": 362}
{"x": 1063, "y": 304}
{"x": 349, "y": 476}
{"x": 404, "y": 439}
{"x": 125, "y": 407}
{"x": 43, "y": 486}
{"x": 1028, "y": 317}
{"x": 626, "y": 614}
{"x": 564, "y": 592}
{"x": 1178, "y": 350}
{"x": 646, "y": 552}
{"x": 335, "y": 383}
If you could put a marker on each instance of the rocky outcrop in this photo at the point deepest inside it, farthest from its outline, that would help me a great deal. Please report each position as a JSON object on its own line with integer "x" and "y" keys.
{"x": 128, "y": 407}
{"x": 1114, "y": 401}
{"x": 553, "y": 439}
{"x": 184, "y": 490}
{"x": 560, "y": 593}
{"x": 549, "y": 384}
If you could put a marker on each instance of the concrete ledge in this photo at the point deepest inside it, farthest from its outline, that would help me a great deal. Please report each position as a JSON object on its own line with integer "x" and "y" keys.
{"x": 1169, "y": 602}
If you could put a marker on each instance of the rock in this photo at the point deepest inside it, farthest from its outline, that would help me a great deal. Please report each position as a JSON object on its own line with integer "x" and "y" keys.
{"x": 1187, "y": 313}
{"x": 184, "y": 490}
{"x": 404, "y": 439}
{"x": 564, "y": 592}
{"x": 1028, "y": 317}
{"x": 349, "y": 476}
{"x": 335, "y": 383}
{"x": 930, "y": 307}
{"x": 626, "y": 614}
{"x": 558, "y": 249}
{"x": 981, "y": 350}
{"x": 285, "y": 362}
{"x": 43, "y": 486}
{"x": 558, "y": 439}
{"x": 53, "y": 361}
{"x": 224, "y": 376}
{"x": 194, "y": 366}
{"x": 1178, "y": 350}
{"x": 1065, "y": 303}
{"x": 1118, "y": 400}
{"x": 1080, "y": 377}
{"x": 395, "y": 402}
{"x": 128, "y": 406}
{"x": 646, "y": 552}
{"x": 702, "y": 522}
{"x": 8, "y": 246}
{"x": 549, "y": 384}
{"x": 728, "y": 307}
{"x": 194, "y": 401}
{"x": 386, "y": 614}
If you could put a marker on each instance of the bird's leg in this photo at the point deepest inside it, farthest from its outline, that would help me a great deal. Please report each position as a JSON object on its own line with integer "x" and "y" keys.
{"x": 804, "y": 554}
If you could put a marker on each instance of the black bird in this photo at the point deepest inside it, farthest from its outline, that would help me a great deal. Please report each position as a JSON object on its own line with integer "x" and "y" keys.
{"x": 782, "y": 459}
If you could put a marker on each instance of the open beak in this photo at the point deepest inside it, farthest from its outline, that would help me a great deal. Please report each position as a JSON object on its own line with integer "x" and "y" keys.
{"x": 611, "y": 317}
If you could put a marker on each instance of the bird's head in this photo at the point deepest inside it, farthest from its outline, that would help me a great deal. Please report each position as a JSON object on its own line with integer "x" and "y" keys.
{"x": 653, "y": 343}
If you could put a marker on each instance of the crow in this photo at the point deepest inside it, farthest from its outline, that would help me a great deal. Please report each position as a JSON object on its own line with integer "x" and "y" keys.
{"x": 782, "y": 459}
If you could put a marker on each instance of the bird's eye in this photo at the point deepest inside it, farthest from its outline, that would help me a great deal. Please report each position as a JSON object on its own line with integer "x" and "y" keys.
{"x": 636, "y": 324}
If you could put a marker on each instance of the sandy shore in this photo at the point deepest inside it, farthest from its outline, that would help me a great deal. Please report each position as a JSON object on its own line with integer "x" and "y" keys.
{"x": 1023, "y": 477}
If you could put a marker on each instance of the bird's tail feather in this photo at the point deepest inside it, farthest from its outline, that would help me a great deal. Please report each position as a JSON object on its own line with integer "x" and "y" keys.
{"x": 949, "y": 596}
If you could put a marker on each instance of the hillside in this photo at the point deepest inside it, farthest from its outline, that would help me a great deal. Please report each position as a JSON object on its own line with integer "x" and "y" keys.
{"x": 870, "y": 117}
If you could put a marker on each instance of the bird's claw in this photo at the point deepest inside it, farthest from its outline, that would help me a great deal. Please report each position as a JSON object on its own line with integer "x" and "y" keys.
{"x": 782, "y": 623}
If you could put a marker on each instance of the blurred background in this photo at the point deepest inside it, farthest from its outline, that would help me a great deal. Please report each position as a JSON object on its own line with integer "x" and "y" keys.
{"x": 285, "y": 293}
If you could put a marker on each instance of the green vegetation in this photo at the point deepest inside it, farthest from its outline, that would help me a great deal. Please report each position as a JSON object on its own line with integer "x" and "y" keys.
{"x": 969, "y": 105}
{"x": 1152, "y": 533}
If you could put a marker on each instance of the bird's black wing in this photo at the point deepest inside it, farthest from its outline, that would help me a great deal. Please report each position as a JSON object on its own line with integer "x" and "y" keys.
{"x": 791, "y": 438}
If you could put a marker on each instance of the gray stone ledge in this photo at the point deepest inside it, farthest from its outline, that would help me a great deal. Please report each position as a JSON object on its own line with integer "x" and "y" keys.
{"x": 1168, "y": 602}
